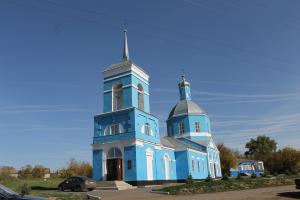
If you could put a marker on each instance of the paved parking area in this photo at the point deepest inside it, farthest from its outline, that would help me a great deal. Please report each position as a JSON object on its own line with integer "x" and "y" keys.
{"x": 281, "y": 192}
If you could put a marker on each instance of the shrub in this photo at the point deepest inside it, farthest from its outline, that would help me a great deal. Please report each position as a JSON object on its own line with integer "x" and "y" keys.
{"x": 253, "y": 175}
{"x": 225, "y": 178}
{"x": 6, "y": 174}
{"x": 266, "y": 173}
{"x": 209, "y": 179}
{"x": 26, "y": 172}
{"x": 25, "y": 189}
{"x": 76, "y": 168}
{"x": 287, "y": 172}
{"x": 239, "y": 176}
{"x": 227, "y": 158}
{"x": 189, "y": 180}
{"x": 38, "y": 171}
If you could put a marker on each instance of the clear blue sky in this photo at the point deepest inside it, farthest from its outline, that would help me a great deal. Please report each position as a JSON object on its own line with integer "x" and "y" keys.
{"x": 241, "y": 57}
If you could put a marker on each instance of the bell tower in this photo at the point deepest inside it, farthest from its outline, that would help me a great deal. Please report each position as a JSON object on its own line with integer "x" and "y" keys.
{"x": 126, "y": 108}
{"x": 126, "y": 85}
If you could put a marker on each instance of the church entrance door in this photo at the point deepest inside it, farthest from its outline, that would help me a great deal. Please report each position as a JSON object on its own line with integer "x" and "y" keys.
{"x": 114, "y": 169}
{"x": 114, "y": 164}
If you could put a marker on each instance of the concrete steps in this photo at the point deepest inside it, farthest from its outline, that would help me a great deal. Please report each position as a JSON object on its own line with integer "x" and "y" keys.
{"x": 113, "y": 185}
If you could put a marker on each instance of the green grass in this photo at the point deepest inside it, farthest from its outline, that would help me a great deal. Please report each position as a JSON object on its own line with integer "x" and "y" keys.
{"x": 46, "y": 188}
{"x": 48, "y": 183}
{"x": 229, "y": 185}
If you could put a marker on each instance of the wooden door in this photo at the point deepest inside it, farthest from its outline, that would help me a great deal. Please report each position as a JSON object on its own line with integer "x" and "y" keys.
{"x": 114, "y": 169}
{"x": 119, "y": 170}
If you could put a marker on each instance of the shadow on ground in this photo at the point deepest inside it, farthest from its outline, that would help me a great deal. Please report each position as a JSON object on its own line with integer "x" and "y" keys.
{"x": 43, "y": 188}
{"x": 294, "y": 195}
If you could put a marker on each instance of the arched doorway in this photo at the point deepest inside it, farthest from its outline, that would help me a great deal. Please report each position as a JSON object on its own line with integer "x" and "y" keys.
{"x": 167, "y": 167}
{"x": 114, "y": 164}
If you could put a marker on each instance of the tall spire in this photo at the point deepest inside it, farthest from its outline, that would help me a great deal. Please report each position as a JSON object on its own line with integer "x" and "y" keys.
{"x": 125, "y": 48}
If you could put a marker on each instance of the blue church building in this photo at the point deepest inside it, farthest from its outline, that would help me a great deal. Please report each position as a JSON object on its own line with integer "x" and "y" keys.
{"x": 127, "y": 144}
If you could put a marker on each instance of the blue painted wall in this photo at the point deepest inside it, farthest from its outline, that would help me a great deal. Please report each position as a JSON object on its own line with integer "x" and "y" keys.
{"x": 185, "y": 93}
{"x": 129, "y": 91}
{"x": 199, "y": 171}
{"x": 182, "y": 165}
{"x": 159, "y": 172}
{"x": 97, "y": 165}
{"x": 189, "y": 124}
{"x": 130, "y": 154}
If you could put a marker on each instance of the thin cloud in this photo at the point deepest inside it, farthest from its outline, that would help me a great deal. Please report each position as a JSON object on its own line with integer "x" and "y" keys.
{"x": 19, "y": 109}
{"x": 230, "y": 98}
{"x": 56, "y": 129}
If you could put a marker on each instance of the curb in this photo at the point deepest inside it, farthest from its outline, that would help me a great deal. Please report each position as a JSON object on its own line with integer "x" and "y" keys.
{"x": 159, "y": 192}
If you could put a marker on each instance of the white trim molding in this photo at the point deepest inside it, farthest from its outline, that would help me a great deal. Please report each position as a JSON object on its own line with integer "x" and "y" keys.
{"x": 122, "y": 67}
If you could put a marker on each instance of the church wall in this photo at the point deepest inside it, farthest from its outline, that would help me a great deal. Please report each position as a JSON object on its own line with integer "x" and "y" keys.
{"x": 130, "y": 155}
{"x": 189, "y": 125}
{"x": 141, "y": 167}
{"x": 125, "y": 80}
{"x": 97, "y": 165}
{"x": 141, "y": 118}
{"x": 125, "y": 118}
{"x": 197, "y": 158}
{"x": 181, "y": 165}
{"x": 204, "y": 123}
{"x": 214, "y": 158}
{"x": 135, "y": 82}
{"x": 174, "y": 125}
{"x": 107, "y": 101}
{"x": 160, "y": 164}
{"x": 126, "y": 91}
{"x": 130, "y": 84}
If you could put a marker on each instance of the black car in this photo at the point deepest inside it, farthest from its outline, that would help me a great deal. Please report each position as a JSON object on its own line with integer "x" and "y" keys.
{"x": 297, "y": 181}
{"x": 77, "y": 183}
{"x": 8, "y": 194}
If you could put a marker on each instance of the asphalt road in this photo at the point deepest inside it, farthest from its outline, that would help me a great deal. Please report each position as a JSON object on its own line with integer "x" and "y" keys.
{"x": 281, "y": 192}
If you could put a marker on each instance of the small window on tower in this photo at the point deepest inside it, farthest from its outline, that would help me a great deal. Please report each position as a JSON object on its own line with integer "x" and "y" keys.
{"x": 181, "y": 128}
{"x": 140, "y": 97}
{"x": 114, "y": 129}
{"x": 146, "y": 129}
{"x": 197, "y": 127}
{"x": 129, "y": 164}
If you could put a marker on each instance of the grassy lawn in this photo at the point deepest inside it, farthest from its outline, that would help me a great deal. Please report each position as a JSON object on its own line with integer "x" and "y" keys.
{"x": 45, "y": 188}
{"x": 229, "y": 185}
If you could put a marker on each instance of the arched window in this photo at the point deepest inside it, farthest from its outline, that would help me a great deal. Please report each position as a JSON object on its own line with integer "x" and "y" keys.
{"x": 181, "y": 127}
{"x": 146, "y": 129}
{"x": 113, "y": 129}
{"x": 140, "y": 97}
{"x": 114, "y": 153}
{"x": 117, "y": 97}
